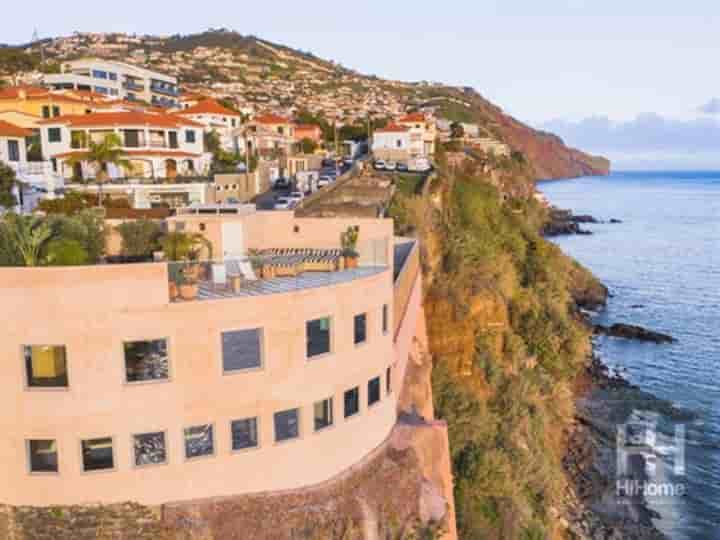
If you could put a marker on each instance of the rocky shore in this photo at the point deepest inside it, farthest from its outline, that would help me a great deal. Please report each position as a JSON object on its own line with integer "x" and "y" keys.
{"x": 563, "y": 222}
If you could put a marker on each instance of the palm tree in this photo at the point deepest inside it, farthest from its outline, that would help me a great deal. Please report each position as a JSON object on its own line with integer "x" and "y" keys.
{"x": 179, "y": 246}
{"x": 100, "y": 155}
{"x": 27, "y": 236}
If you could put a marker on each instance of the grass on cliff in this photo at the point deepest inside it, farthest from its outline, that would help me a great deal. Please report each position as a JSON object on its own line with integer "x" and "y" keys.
{"x": 503, "y": 387}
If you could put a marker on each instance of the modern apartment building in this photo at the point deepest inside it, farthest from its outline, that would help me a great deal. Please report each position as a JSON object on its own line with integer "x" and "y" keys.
{"x": 282, "y": 371}
{"x": 117, "y": 79}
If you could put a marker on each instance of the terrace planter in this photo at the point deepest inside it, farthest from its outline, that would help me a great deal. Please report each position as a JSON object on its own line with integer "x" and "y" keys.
{"x": 173, "y": 290}
{"x": 351, "y": 262}
{"x": 188, "y": 291}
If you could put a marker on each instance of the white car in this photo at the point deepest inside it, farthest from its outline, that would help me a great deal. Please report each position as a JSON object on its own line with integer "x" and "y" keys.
{"x": 284, "y": 203}
{"x": 296, "y": 196}
{"x": 324, "y": 181}
{"x": 390, "y": 166}
{"x": 380, "y": 164}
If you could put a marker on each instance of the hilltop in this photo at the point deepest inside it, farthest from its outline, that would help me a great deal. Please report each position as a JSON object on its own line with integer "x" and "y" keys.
{"x": 259, "y": 75}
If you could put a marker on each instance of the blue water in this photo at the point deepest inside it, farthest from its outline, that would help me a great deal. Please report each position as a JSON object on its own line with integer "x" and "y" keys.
{"x": 665, "y": 256}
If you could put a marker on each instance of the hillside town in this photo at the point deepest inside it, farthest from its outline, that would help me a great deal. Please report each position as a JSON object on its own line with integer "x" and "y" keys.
{"x": 212, "y": 118}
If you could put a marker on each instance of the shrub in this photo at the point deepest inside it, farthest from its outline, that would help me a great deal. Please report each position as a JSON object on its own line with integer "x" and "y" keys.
{"x": 139, "y": 238}
{"x": 66, "y": 252}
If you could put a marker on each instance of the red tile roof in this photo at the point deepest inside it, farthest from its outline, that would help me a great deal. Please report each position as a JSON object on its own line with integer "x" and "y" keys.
{"x": 209, "y": 106}
{"x": 123, "y": 118}
{"x": 271, "y": 119}
{"x": 11, "y": 130}
{"x": 36, "y": 93}
{"x": 413, "y": 117}
{"x": 392, "y": 128}
{"x": 137, "y": 153}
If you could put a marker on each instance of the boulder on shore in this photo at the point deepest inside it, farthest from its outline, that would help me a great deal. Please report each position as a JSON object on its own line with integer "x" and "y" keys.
{"x": 630, "y": 331}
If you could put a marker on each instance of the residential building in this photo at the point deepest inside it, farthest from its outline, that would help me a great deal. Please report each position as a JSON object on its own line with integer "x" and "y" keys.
{"x": 13, "y": 146}
{"x": 392, "y": 143}
{"x": 157, "y": 145}
{"x": 273, "y": 122}
{"x": 422, "y": 134}
{"x": 40, "y": 102}
{"x": 255, "y": 386}
{"x": 215, "y": 117}
{"x": 118, "y": 80}
{"x": 308, "y": 131}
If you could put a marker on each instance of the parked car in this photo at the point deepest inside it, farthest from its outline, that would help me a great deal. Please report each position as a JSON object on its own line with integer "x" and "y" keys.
{"x": 379, "y": 164}
{"x": 284, "y": 203}
{"x": 282, "y": 183}
{"x": 325, "y": 181}
{"x": 296, "y": 196}
{"x": 349, "y": 161}
{"x": 390, "y": 166}
{"x": 402, "y": 167}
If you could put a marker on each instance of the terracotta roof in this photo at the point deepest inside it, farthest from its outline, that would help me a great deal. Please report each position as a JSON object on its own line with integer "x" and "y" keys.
{"x": 209, "y": 106}
{"x": 308, "y": 127}
{"x": 270, "y": 119}
{"x": 392, "y": 128}
{"x": 122, "y": 118}
{"x": 413, "y": 117}
{"x": 11, "y": 130}
{"x": 137, "y": 153}
{"x": 36, "y": 92}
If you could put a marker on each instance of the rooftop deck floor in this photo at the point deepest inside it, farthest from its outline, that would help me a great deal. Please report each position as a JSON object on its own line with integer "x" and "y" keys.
{"x": 280, "y": 285}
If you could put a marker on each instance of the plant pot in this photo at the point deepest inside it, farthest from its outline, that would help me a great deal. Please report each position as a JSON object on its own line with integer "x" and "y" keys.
{"x": 173, "y": 290}
{"x": 188, "y": 291}
{"x": 351, "y": 262}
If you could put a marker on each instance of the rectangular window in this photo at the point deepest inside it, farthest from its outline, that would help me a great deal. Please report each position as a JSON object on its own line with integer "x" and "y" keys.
{"x": 112, "y": 76}
{"x": 97, "y": 454}
{"x": 78, "y": 139}
{"x": 360, "y": 329}
{"x": 190, "y": 136}
{"x": 46, "y": 366}
{"x": 55, "y": 111}
{"x": 287, "y": 425}
{"x": 318, "y": 337}
{"x": 244, "y": 433}
{"x": 146, "y": 360}
{"x": 173, "y": 139}
{"x": 323, "y": 414}
{"x": 352, "y": 402}
{"x": 388, "y": 380}
{"x": 132, "y": 138}
{"x": 54, "y": 135}
{"x": 241, "y": 350}
{"x": 150, "y": 449}
{"x": 13, "y": 150}
{"x": 373, "y": 391}
{"x": 102, "y": 90}
{"x": 385, "y": 318}
{"x": 199, "y": 441}
{"x": 46, "y": 111}
{"x": 43, "y": 456}
{"x": 98, "y": 74}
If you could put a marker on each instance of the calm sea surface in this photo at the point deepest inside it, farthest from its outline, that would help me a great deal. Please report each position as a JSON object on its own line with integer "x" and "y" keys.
{"x": 662, "y": 265}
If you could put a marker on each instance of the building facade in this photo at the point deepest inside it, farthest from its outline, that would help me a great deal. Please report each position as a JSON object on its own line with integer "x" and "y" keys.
{"x": 391, "y": 143}
{"x": 117, "y": 80}
{"x": 125, "y": 394}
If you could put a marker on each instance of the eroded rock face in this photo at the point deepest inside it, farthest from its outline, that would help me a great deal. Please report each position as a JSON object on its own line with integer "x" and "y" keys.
{"x": 630, "y": 331}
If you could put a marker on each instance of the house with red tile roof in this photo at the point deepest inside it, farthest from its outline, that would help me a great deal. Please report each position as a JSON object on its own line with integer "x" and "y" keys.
{"x": 157, "y": 145}
{"x": 215, "y": 117}
{"x": 423, "y": 132}
{"x": 391, "y": 143}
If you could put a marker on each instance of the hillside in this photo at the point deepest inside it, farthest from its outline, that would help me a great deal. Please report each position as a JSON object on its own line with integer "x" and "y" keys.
{"x": 265, "y": 76}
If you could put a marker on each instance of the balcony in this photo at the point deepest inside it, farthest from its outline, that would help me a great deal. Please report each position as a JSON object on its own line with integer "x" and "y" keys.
{"x": 273, "y": 272}
{"x": 129, "y": 85}
{"x": 173, "y": 92}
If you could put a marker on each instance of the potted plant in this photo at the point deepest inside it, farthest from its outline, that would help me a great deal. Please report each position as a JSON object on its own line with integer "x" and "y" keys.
{"x": 348, "y": 241}
{"x": 188, "y": 283}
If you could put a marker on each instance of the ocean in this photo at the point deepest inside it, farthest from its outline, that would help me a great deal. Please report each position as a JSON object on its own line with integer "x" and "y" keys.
{"x": 662, "y": 266}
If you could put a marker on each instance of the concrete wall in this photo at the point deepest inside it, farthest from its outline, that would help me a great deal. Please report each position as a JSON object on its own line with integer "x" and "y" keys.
{"x": 93, "y": 310}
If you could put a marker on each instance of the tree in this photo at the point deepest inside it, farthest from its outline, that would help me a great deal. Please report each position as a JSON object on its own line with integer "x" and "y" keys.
{"x": 308, "y": 146}
{"x": 66, "y": 252}
{"x": 139, "y": 238}
{"x": 14, "y": 61}
{"x": 100, "y": 155}
{"x": 8, "y": 181}
{"x": 27, "y": 237}
{"x": 457, "y": 131}
{"x": 181, "y": 246}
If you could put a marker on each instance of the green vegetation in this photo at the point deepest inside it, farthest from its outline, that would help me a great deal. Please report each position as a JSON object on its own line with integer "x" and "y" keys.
{"x": 308, "y": 146}
{"x": 139, "y": 238}
{"x": 99, "y": 155}
{"x": 506, "y": 345}
{"x": 14, "y": 61}
{"x": 7, "y": 182}
{"x": 55, "y": 240}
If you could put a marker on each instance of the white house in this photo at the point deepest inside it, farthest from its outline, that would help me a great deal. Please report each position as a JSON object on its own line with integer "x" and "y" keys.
{"x": 392, "y": 143}
{"x": 116, "y": 79}
{"x": 157, "y": 145}
{"x": 422, "y": 134}
{"x": 215, "y": 117}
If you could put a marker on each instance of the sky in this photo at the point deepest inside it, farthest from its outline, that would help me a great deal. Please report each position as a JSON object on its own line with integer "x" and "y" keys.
{"x": 635, "y": 80}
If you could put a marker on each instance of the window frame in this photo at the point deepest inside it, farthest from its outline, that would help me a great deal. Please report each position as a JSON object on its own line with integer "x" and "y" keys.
{"x": 276, "y": 441}
{"x": 13, "y": 149}
{"x": 388, "y": 381}
{"x": 257, "y": 429}
{"x": 262, "y": 349}
{"x": 190, "y": 136}
{"x": 385, "y": 319}
{"x": 331, "y": 339}
{"x": 26, "y": 380}
{"x": 114, "y": 455}
{"x": 169, "y": 377}
{"x": 149, "y": 465}
{"x": 379, "y": 392}
{"x": 28, "y": 458}
{"x": 359, "y": 401}
{"x": 52, "y": 130}
{"x": 331, "y": 425}
{"x": 203, "y": 457}
{"x": 366, "y": 339}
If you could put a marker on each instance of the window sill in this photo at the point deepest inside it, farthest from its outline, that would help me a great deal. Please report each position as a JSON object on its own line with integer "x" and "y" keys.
{"x": 320, "y": 356}
{"x": 287, "y": 441}
{"x": 233, "y": 372}
{"x": 324, "y": 429}
{"x": 245, "y": 450}
{"x": 144, "y": 383}
{"x": 50, "y": 389}
{"x": 101, "y": 471}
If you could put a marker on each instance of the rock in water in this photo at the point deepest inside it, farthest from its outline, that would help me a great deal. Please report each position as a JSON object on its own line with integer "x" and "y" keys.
{"x": 629, "y": 331}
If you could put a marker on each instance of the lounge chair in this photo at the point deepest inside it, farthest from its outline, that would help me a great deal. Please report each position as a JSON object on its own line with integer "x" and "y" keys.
{"x": 219, "y": 276}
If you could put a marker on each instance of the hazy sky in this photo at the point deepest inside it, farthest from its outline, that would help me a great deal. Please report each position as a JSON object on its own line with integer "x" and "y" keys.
{"x": 631, "y": 66}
